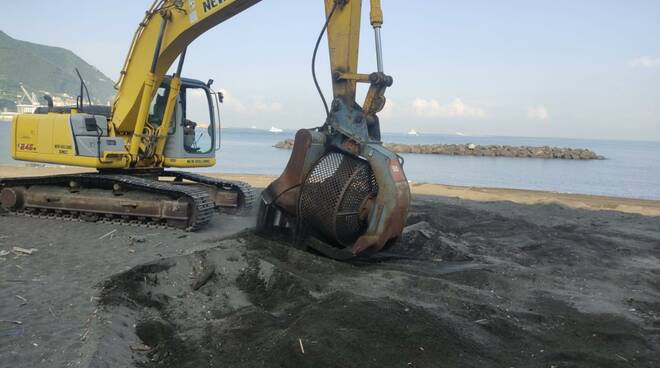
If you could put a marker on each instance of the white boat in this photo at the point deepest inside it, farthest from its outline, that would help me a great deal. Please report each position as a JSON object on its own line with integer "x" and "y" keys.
{"x": 412, "y": 132}
{"x": 460, "y": 134}
{"x": 275, "y": 130}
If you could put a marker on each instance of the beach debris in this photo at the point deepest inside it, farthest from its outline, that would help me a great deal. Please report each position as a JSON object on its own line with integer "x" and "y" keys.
{"x": 25, "y": 301}
{"x": 23, "y": 251}
{"x": 203, "y": 278}
{"x": 137, "y": 239}
{"x": 421, "y": 227}
{"x": 302, "y": 348}
{"x": 108, "y": 234}
{"x": 140, "y": 347}
{"x": 13, "y": 332}
{"x": 4, "y": 253}
{"x": 621, "y": 357}
{"x": 202, "y": 273}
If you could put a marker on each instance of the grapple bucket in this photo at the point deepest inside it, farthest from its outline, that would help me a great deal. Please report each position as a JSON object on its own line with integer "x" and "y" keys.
{"x": 350, "y": 198}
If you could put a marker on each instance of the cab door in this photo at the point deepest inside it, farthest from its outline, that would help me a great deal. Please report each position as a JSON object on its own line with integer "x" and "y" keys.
{"x": 192, "y": 138}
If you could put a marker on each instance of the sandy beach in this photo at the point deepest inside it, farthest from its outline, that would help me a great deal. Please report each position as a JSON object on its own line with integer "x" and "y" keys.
{"x": 482, "y": 278}
{"x": 521, "y": 196}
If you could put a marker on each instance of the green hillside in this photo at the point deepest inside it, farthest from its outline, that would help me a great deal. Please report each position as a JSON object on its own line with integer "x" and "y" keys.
{"x": 47, "y": 69}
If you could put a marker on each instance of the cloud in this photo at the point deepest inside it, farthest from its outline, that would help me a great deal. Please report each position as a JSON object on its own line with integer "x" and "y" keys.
{"x": 538, "y": 113}
{"x": 256, "y": 106}
{"x": 261, "y": 106}
{"x": 645, "y": 62}
{"x": 455, "y": 109}
{"x": 230, "y": 101}
{"x": 388, "y": 109}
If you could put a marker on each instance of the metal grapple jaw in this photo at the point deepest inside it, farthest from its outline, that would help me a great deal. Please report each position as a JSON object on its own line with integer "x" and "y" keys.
{"x": 340, "y": 186}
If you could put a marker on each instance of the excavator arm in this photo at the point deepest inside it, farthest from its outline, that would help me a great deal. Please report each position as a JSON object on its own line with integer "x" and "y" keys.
{"x": 169, "y": 26}
{"x": 341, "y": 185}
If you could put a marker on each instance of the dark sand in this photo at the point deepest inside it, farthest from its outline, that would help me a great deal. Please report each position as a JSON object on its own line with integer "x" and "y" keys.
{"x": 472, "y": 284}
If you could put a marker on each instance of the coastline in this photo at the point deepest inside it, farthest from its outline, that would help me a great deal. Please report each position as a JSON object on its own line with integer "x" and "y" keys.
{"x": 479, "y": 194}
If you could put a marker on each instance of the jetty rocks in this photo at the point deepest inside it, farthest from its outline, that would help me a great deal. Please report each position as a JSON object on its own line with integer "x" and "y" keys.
{"x": 483, "y": 150}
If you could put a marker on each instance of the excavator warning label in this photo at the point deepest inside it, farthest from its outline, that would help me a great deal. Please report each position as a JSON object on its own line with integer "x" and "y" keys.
{"x": 396, "y": 171}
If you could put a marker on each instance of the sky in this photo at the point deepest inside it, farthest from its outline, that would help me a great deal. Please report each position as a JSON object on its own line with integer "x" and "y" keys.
{"x": 544, "y": 68}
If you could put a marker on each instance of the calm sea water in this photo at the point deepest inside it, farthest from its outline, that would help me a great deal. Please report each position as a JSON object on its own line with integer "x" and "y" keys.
{"x": 632, "y": 169}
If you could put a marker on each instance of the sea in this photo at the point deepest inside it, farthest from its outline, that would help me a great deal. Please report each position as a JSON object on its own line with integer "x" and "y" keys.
{"x": 631, "y": 168}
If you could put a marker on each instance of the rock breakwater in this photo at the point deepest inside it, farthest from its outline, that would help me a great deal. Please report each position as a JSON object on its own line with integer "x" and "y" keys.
{"x": 484, "y": 150}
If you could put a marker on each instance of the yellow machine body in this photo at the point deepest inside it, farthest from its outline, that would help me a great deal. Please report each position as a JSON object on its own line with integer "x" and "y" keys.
{"x": 84, "y": 139}
{"x": 48, "y": 138}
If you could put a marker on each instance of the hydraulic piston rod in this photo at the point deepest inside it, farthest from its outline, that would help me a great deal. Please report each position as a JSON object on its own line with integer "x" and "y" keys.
{"x": 377, "y": 22}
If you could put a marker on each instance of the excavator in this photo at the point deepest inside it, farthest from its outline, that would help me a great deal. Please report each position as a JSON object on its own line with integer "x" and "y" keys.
{"x": 340, "y": 186}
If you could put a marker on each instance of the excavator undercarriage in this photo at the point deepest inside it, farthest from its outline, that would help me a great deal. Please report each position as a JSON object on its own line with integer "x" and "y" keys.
{"x": 154, "y": 198}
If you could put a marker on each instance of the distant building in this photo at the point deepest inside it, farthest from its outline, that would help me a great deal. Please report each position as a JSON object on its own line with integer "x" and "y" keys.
{"x": 7, "y": 105}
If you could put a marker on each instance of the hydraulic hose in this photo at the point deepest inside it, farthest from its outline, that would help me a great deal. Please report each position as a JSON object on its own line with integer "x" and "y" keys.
{"x": 316, "y": 49}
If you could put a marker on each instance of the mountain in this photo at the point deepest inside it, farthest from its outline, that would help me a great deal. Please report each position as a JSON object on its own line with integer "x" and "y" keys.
{"x": 45, "y": 69}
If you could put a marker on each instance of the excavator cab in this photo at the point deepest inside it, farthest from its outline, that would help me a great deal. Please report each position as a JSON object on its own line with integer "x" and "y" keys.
{"x": 193, "y": 133}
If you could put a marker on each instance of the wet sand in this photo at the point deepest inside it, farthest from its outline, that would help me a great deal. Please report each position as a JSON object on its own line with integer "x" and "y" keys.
{"x": 481, "y": 278}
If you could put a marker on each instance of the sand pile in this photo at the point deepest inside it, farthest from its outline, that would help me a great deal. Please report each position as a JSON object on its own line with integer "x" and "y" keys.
{"x": 470, "y": 285}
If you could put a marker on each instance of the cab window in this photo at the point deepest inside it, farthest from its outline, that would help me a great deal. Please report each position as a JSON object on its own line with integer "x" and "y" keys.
{"x": 157, "y": 108}
{"x": 197, "y": 120}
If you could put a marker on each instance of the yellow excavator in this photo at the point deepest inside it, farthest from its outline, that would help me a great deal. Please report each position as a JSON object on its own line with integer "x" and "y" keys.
{"x": 340, "y": 185}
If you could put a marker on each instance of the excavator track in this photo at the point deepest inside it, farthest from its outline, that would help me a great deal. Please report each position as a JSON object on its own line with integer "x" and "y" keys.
{"x": 158, "y": 204}
{"x": 246, "y": 194}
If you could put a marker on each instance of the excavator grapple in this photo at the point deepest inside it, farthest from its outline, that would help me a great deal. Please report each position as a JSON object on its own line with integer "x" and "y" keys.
{"x": 351, "y": 194}
{"x": 341, "y": 185}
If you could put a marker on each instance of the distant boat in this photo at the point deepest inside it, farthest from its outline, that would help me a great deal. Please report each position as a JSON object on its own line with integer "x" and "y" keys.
{"x": 412, "y": 132}
{"x": 254, "y": 127}
{"x": 460, "y": 134}
{"x": 275, "y": 130}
